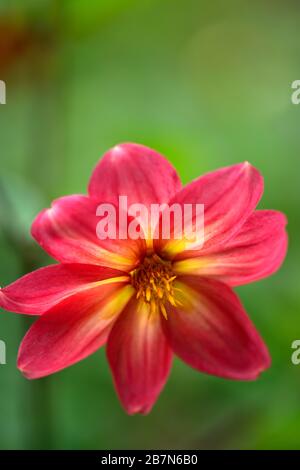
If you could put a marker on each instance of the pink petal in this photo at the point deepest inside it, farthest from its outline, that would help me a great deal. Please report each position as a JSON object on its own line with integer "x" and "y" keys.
{"x": 71, "y": 330}
{"x": 42, "y": 289}
{"x": 257, "y": 251}
{"x": 229, "y": 195}
{"x": 213, "y": 333}
{"x": 68, "y": 232}
{"x": 135, "y": 171}
{"x": 139, "y": 357}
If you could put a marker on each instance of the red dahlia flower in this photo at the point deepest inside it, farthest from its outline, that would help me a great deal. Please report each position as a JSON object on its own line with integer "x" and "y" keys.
{"x": 147, "y": 300}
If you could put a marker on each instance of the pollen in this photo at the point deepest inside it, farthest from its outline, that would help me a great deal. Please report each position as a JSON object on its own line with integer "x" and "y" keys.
{"x": 153, "y": 281}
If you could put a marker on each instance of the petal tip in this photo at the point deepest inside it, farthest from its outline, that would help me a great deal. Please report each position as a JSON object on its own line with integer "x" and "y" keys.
{"x": 265, "y": 362}
{"x": 118, "y": 151}
{"x": 122, "y": 149}
{"x": 247, "y": 164}
{"x": 137, "y": 410}
{"x": 21, "y": 365}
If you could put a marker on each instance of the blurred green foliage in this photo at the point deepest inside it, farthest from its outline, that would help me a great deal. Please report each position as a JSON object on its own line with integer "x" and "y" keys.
{"x": 206, "y": 83}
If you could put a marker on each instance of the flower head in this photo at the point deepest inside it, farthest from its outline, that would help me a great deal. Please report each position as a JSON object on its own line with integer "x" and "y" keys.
{"x": 147, "y": 299}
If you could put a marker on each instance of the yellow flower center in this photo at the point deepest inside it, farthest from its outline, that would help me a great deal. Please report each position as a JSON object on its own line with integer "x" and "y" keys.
{"x": 153, "y": 280}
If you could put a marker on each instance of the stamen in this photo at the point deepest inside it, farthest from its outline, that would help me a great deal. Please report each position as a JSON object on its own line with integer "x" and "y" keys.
{"x": 163, "y": 311}
{"x": 160, "y": 292}
{"x": 171, "y": 300}
{"x": 152, "y": 307}
{"x": 148, "y": 294}
{"x": 153, "y": 281}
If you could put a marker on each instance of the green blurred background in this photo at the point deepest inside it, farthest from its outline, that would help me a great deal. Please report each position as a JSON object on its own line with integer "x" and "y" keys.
{"x": 206, "y": 83}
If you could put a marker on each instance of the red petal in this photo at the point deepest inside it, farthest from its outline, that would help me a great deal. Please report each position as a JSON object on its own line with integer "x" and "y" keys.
{"x": 68, "y": 232}
{"x": 229, "y": 196}
{"x": 257, "y": 251}
{"x": 42, "y": 289}
{"x": 139, "y": 356}
{"x": 213, "y": 333}
{"x": 71, "y": 330}
{"x": 135, "y": 171}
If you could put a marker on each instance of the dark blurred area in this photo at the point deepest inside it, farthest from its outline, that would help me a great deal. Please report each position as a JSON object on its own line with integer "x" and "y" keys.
{"x": 206, "y": 83}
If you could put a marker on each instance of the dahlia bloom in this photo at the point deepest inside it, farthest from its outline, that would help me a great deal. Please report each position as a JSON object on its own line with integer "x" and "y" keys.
{"x": 149, "y": 299}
